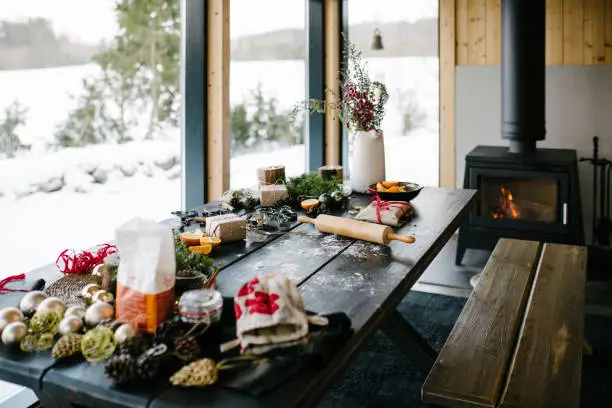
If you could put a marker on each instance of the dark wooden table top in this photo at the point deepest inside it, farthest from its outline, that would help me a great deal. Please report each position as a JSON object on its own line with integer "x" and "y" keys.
{"x": 364, "y": 280}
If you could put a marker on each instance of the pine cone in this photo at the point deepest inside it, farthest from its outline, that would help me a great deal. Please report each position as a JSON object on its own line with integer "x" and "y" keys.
{"x": 120, "y": 369}
{"x": 197, "y": 374}
{"x": 133, "y": 346}
{"x": 187, "y": 349}
{"x": 153, "y": 361}
{"x": 67, "y": 346}
{"x": 170, "y": 330}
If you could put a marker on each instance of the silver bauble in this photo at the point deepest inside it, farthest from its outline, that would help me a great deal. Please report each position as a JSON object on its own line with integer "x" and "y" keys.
{"x": 30, "y": 301}
{"x": 9, "y": 315}
{"x": 98, "y": 270}
{"x": 124, "y": 332}
{"x": 13, "y": 333}
{"x": 98, "y": 312}
{"x": 102, "y": 296}
{"x": 52, "y": 303}
{"x": 88, "y": 291}
{"x": 70, "y": 324}
{"x": 78, "y": 311}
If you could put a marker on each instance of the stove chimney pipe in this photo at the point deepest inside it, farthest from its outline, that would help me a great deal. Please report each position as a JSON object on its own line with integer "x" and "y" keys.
{"x": 523, "y": 73}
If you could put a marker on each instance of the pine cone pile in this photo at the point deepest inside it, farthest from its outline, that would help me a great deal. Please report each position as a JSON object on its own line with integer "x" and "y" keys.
{"x": 133, "y": 346}
{"x": 153, "y": 361}
{"x": 67, "y": 346}
{"x": 187, "y": 349}
{"x": 200, "y": 373}
{"x": 170, "y": 330}
{"x": 120, "y": 369}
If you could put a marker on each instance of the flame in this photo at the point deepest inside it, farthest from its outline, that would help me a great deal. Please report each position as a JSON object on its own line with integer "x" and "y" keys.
{"x": 505, "y": 206}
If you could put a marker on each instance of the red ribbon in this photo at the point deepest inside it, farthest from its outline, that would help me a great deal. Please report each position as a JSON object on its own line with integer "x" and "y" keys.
{"x": 83, "y": 262}
{"x": 385, "y": 205}
{"x": 14, "y": 278}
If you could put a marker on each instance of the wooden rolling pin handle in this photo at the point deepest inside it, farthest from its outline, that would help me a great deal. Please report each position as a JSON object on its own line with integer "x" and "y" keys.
{"x": 404, "y": 238}
{"x": 306, "y": 219}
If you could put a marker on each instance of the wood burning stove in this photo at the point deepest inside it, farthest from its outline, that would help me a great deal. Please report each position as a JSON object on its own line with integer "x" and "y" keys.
{"x": 533, "y": 197}
{"x": 525, "y": 192}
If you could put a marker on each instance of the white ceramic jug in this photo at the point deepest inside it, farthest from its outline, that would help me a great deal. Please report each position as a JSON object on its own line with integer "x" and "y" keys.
{"x": 366, "y": 159}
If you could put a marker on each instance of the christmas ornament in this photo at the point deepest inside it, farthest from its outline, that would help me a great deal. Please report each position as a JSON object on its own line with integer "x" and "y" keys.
{"x": 13, "y": 333}
{"x": 30, "y": 301}
{"x": 98, "y": 270}
{"x": 200, "y": 373}
{"x": 120, "y": 369}
{"x": 29, "y": 343}
{"x": 45, "y": 321}
{"x": 9, "y": 315}
{"x": 98, "y": 344}
{"x": 187, "y": 349}
{"x": 52, "y": 303}
{"x": 77, "y": 311}
{"x": 45, "y": 342}
{"x": 152, "y": 361}
{"x": 70, "y": 324}
{"x": 98, "y": 312}
{"x": 88, "y": 291}
{"x": 123, "y": 332}
{"x": 134, "y": 346}
{"x": 102, "y": 296}
{"x": 67, "y": 346}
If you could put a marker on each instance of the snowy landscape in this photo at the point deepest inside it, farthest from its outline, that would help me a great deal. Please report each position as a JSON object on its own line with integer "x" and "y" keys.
{"x": 76, "y": 197}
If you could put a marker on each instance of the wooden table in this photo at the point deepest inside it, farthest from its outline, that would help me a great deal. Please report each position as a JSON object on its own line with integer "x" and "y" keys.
{"x": 366, "y": 281}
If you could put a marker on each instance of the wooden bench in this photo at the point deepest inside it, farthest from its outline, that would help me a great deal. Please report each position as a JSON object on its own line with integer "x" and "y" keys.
{"x": 518, "y": 341}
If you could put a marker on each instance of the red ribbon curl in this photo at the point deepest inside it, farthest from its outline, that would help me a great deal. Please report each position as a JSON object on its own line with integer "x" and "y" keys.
{"x": 82, "y": 262}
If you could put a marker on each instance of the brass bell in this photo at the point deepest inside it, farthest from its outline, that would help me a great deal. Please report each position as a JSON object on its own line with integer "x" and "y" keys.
{"x": 377, "y": 41}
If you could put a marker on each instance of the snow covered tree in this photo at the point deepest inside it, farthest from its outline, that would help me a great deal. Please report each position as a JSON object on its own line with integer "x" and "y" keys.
{"x": 14, "y": 116}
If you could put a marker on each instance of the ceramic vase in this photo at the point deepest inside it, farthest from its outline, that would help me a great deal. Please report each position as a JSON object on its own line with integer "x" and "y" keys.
{"x": 366, "y": 159}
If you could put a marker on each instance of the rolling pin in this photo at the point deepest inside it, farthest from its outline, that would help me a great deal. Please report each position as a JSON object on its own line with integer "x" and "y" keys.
{"x": 346, "y": 227}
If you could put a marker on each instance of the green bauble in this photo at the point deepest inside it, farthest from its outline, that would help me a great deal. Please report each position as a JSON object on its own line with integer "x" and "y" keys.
{"x": 98, "y": 344}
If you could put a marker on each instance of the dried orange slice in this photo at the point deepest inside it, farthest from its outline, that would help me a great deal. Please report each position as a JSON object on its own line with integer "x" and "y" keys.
{"x": 214, "y": 241}
{"x": 308, "y": 204}
{"x": 389, "y": 184}
{"x": 190, "y": 238}
{"x": 380, "y": 187}
{"x": 201, "y": 249}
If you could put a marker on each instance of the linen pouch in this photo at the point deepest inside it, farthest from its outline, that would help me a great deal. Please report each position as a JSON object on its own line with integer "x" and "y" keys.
{"x": 392, "y": 213}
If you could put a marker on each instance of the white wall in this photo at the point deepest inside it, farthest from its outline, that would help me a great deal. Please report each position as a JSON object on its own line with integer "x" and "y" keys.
{"x": 578, "y": 107}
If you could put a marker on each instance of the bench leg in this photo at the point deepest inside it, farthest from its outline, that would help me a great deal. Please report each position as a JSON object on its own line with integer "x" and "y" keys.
{"x": 410, "y": 342}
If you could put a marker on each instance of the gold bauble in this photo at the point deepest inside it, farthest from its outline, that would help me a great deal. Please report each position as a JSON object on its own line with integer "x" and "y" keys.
{"x": 102, "y": 296}
{"x": 77, "y": 311}
{"x": 13, "y": 333}
{"x": 9, "y": 315}
{"x": 88, "y": 291}
{"x": 98, "y": 270}
{"x": 70, "y": 324}
{"x": 52, "y": 303}
{"x": 30, "y": 301}
{"x": 124, "y": 332}
{"x": 98, "y": 312}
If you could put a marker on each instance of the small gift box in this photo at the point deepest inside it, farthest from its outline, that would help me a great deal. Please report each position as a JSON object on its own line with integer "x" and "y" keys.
{"x": 226, "y": 227}
{"x": 270, "y": 195}
{"x": 392, "y": 213}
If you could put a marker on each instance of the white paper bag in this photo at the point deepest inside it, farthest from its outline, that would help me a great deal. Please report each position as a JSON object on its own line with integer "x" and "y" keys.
{"x": 146, "y": 274}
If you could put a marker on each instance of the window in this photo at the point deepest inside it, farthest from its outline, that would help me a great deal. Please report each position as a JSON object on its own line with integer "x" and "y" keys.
{"x": 408, "y": 66}
{"x": 267, "y": 77}
{"x": 89, "y": 123}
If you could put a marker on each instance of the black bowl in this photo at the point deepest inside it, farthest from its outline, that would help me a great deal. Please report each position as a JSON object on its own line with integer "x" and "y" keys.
{"x": 413, "y": 191}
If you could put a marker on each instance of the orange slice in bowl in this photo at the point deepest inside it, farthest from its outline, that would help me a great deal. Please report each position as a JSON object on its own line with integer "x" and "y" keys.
{"x": 190, "y": 238}
{"x": 310, "y": 203}
{"x": 201, "y": 249}
{"x": 389, "y": 184}
{"x": 380, "y": 187}
{"x": 213, "y": 241}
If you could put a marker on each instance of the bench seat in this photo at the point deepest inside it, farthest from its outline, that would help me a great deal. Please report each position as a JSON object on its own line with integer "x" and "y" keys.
{"x": 518, "y": 341}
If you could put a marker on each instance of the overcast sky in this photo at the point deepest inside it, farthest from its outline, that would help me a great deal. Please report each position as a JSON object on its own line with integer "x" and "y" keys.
{"x": 93, "y": 20}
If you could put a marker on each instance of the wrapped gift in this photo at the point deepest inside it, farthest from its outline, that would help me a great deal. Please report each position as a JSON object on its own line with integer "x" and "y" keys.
{"x": 227, "y": 227}
{"x": 270, "y": 195}
{"x": 392, "y": 213}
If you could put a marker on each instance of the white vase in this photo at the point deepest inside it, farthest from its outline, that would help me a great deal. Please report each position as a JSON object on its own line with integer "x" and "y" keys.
{"x": 366, "y": 159}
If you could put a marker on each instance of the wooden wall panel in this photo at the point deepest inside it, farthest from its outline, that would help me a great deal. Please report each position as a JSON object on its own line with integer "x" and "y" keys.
{"x": 578, "y": 32}
{"x": 448, "y": 49}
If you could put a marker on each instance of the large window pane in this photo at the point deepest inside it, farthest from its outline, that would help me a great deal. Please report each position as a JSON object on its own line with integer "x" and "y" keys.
{"x": 408, "y": 66}
{"x": 267, "y": 76}
{"x": 89, "y": 127}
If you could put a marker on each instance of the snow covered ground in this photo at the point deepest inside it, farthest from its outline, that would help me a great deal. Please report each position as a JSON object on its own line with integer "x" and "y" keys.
{"x": 75, "y": 198}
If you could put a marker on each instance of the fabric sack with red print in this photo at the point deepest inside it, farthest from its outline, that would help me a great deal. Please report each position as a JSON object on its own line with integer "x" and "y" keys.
{"x": 270, "y": 314}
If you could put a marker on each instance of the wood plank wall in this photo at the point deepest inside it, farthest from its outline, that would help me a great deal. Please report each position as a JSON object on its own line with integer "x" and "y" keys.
{"x": 578, "y": 32}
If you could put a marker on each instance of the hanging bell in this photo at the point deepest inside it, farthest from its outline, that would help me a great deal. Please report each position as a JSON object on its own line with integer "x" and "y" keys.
{"x": 377, "y": 43}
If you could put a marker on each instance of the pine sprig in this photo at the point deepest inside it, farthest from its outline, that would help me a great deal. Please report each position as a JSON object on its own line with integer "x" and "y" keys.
{"x": 190, "y": 264}
{"x": 310, "y": 185}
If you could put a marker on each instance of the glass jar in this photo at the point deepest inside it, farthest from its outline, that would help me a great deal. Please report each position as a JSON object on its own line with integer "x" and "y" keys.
{"x": 201, "y": 305}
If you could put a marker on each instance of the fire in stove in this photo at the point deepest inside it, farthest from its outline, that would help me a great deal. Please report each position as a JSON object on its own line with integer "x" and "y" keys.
{"x": 506, "y": 207}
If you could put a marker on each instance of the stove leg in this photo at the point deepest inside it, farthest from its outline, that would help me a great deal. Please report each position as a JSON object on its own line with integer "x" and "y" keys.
{"x": 460, "y": 250}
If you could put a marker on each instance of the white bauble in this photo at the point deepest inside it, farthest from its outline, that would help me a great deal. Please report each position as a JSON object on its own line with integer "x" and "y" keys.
{"x": 9, "y": 315}
{"x": 52, "y": 303}
{"x": 70, "y": 324}
{"x": 98, "y": 312}
{"x": 30, "y": 301}
{"x": 13, "y": 333}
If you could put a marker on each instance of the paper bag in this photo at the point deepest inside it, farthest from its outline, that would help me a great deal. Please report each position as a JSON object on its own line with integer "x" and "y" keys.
{"x": 146, "y": 274}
